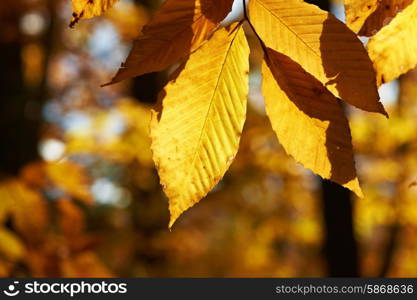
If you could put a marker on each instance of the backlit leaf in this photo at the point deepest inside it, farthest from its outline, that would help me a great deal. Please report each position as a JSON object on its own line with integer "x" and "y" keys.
{"x": 23, "y": 201}
{"x": 176, "y": 30}
{"x": 368, "y": 17}
{"x": 86, "y": 9}
{"x": 197, "y": 136}
{"x": 322, "y": 45}
{"x": 394, "y": 48}
{"x": 308, "y": 120}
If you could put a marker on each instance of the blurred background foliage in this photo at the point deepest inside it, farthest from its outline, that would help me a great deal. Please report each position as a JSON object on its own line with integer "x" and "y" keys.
{"x": 79, "y": 195}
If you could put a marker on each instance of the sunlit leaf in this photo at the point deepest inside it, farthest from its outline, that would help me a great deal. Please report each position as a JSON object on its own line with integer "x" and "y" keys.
{"x": 120, "y": 134}
{"x": 86, "y": 9}
{"x": 177, "y": 29}
{"x": 322, "y": 45}
{"x": 308, "y": 120}
{"x": 85, "y": 264}
{"x": 197, "y": 135}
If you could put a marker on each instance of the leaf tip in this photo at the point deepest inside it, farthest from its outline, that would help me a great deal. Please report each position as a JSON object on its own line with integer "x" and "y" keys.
{"x": 173, "y": 218}
{"x": 381, "y": 109}
{"x": 355, "y": 187}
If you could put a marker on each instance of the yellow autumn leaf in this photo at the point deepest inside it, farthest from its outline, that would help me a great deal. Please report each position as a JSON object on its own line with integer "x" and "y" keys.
{"x": 177, "y": 29}
{"x": 368, "y": 17}
{"x": 133, "y": 143}
{"x": 70, "y": 177}
{"x": 197, "y": 135}
{"x": 358, "y": 11}
{"x": 129, "y": 18}
{"x": 84, "y": 264}
{"x": 308, "y": 120}
{"x": 322, "y": 45}
{"x": 86, "y": 9}
{"x": 394, "y": 48}
{"x": 10, "y": 245}
{"x": 23, "y": 202}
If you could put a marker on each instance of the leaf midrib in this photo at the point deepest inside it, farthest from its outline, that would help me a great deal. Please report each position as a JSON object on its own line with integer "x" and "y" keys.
{"x": 210, "y": 105}
{"x": 288, "y": 27}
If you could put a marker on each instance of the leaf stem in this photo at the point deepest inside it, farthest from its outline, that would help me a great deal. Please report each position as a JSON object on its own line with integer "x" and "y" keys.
{"x": 246, "y": 17}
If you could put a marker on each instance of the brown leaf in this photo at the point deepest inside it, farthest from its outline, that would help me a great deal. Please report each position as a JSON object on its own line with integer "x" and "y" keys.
{"x": 177, "y": 29}
{"x": 368, "y": 17}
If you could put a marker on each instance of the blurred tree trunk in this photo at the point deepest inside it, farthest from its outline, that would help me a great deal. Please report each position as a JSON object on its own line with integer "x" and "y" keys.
{"x": 340, "y": 245}
{"x": 20, "y": 114}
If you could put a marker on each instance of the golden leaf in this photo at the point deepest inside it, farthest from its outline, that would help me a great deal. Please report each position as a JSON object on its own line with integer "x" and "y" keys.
{"x": 308, "y": 120}
{"x": 86, "y": 9}
{"x": 368, "y": 17}
{"x": 84, "y": 264}
{"x": 176, "y": 30}
{"x": 10, "y": 245}
{"x": 358, "y": 11}
{"x": 394, "y": 48}
{"x": 197, "y": 136}
{"x": 322, "y": 45}
{"x": 22, "y": 203}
